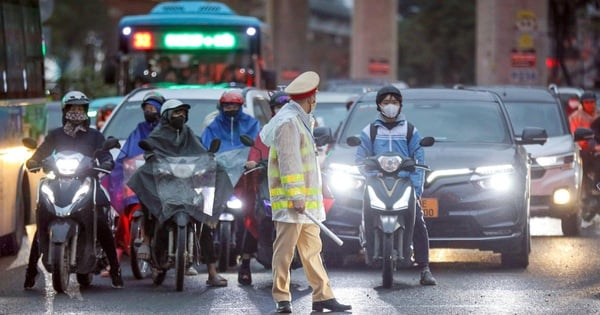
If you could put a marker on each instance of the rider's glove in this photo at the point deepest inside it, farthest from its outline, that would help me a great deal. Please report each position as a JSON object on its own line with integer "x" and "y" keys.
{"x": 107, "y": 165}
{"x": 32, "y": 164}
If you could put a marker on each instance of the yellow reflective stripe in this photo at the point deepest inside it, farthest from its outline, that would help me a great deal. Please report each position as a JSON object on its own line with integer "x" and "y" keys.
{"x": 280, "y": 192}
{"x": 292, "y": 178}
{"x": 288, "y": 204}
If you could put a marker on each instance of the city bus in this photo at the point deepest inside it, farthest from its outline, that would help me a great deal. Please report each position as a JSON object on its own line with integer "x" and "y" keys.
{"x": 192, "y": 42}
{"x": 22, "y": 114}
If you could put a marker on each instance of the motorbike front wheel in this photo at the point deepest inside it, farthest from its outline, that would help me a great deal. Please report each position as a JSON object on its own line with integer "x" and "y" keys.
{"x": 224, "y": 245}
{"x": 139, "y": 267}
{"x": 388, "y": 262}
{"x": 60, "y": 267}
{"x": 180, "y": 257}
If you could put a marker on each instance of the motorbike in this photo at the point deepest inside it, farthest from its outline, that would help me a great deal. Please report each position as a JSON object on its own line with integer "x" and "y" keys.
{"x": 67, "y": 215}
{"x": 389, "y": 210}
{"x": 186, "y": 190}
{"x": 230, "y": 225}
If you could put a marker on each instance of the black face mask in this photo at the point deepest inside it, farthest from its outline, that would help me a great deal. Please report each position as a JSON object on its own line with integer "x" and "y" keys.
{"x": 177, "y": 122}
{"x": 151, "y": 117}
{"x": 231, "y": 113}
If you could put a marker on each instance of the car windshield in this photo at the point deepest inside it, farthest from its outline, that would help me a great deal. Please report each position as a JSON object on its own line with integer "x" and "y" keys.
{"x": 330, "y": 114}
{"x": 541, "y": 115}
{"x": 128, "y": 115}
{"x": 447, "y": 121}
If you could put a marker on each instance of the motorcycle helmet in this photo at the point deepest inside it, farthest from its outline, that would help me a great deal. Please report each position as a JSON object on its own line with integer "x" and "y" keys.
{"x": 171, "y": 105}
{"x": 389, "y": 89}
{"x": 231, "y": 97}
{"x": 75, "y": 98}
{"x": 279, "y": 98}
{"x": 153, "y": 98}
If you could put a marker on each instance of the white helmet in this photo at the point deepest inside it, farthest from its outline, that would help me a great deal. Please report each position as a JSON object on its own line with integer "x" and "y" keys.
{"x": 171, "y": 105}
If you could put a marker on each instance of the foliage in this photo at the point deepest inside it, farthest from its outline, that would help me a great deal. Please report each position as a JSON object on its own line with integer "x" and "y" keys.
{"x": 86, "y": 80}
{"x": 437, "y": 42}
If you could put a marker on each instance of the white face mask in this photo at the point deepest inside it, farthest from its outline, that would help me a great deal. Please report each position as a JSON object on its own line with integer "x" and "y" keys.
{"x": 390, "y": 111}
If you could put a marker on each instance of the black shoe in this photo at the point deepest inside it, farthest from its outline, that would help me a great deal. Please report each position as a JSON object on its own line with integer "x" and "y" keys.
{"x": 244, "y": 276}
{"x": 331, "y": 304}
{"x": 115, "y": 276}
{"x": 427, "y": 278}
{"x": 30, "y": 276}
{"x": 284, "y": 307}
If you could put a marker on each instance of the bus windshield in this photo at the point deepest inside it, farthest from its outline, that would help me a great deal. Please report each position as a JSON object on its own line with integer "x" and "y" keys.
{"x": 189, "y": 42}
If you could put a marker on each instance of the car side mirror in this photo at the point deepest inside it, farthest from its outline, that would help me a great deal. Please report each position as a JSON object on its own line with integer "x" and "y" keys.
{"x": 533, "y": 135}
{"x": 353, "y": 141}
{"x": 583, "y": 134}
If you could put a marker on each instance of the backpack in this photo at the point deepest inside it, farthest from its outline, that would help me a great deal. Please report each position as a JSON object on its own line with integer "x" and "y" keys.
{"x": 373, "y": 133}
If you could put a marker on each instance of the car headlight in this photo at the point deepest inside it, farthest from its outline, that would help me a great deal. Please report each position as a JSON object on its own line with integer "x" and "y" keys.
{"x": 446, "y": 173}
{"x": 556, "y": 160}
{"x": 342, "y": 177}
{"x": 497, "y": 177}
{"x": 234, "y": 203}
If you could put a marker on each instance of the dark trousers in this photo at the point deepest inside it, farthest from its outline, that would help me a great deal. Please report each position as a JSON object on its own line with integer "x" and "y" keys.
{"x": 207, "y": 245}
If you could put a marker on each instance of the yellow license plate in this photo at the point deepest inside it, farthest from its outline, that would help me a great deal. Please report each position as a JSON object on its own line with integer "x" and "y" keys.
{"x": 430, "y": 207}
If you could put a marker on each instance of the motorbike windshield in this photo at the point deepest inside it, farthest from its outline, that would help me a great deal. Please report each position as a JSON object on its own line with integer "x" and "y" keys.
{"x": 186, "y": 183}
{"x": 233, "y": 162}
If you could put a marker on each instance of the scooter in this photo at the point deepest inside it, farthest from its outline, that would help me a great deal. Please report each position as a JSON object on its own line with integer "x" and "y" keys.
{"x": 67, "y": 215}
{"x": 230, "y": 220}
{"x": 186, "y": 189}
{"x": 389, "y": 210}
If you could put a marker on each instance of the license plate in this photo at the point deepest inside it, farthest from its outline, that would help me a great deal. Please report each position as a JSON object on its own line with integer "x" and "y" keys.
{"x": 430, "y": 207}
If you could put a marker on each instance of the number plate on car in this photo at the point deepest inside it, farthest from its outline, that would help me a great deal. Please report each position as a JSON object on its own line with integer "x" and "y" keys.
{"x": 430, "y": 207}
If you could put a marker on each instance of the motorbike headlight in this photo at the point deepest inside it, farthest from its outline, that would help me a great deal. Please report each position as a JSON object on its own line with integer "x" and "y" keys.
{"x": 389, "y": 164}
{"x": 556, "y": 160}
{"x": 67, "y": 166}
{"x": 82, "y": 191}
{"x": 376, "y": 203}
{"x": 344, "y": 178}
{"x": 234, "y": 203}
{"x": 48, "y": 192}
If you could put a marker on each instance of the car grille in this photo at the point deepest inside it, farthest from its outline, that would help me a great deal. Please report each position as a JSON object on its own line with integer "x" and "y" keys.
{"x": 452, "y": 228}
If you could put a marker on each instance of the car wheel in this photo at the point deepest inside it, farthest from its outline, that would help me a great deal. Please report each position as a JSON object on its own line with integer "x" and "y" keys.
{"x": 519, "y": 258}
{"x": 571, "y": 225}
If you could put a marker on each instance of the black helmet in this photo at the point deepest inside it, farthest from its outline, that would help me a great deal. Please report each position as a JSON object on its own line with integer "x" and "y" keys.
{"x": 279, "y": 98}
{"x": 588, "y": 96}
{"x": 75, "y": 98}
{"x": 388, "y": 89}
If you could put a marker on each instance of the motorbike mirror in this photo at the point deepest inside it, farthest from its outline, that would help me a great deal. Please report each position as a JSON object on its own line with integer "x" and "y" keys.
{"x": 111, "y": 143}
{"x": 29, "y": 143}
{"x": 215, "y": 144}
{"x": 427, "y": 141}
{"x": 246, "y": 140}
{"x": 145, "y": 145}
{"x": 353, "y": 141}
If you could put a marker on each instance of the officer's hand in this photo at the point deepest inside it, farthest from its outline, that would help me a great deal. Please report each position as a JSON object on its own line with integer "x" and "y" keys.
{"x": 32, "y": 164}
{"x": 250, "y": 165}
{"x": 299, "y": 206}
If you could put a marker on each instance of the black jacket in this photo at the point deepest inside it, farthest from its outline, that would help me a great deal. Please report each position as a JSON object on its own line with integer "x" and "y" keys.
{"x": 87, "y": 143}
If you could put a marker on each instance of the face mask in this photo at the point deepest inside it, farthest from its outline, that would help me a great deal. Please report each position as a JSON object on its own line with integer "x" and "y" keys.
{"x": 390, "y": 111}
{"x": 177, "y": 122}
{"x": 231, "y": 113}
{"x": 151, "y": 117}
{"x": 76, "y": 118}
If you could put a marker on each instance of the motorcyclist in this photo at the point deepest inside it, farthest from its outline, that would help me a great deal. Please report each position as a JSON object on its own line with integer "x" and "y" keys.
{"x": 257, "y": 152}
{"x": 151, "y": 105}
{"x": 173, "y": 137}
{"x": 392, "y": 131}
{"x": 76, "y": 135}
{"x": 229, "y": 125}
{"x": 103, "y": 114}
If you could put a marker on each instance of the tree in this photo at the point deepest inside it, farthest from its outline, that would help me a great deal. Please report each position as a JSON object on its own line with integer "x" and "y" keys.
{"x": 437, "y": 42}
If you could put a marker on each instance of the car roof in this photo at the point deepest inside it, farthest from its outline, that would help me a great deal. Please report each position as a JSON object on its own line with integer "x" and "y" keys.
{"x": 178, "y": 92}
{"x": 437, "y": 93}
{"x": 332, "y": 97}
{"x": 521, "y": 93}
